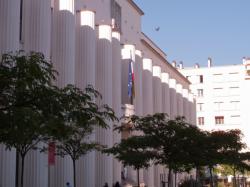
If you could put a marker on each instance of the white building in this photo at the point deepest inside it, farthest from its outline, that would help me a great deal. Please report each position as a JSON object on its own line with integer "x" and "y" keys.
{"x": 222, "y": 96}
{"x": 91, "y": 42}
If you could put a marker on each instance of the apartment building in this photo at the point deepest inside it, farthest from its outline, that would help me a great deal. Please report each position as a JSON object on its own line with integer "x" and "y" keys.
{"x": 222, "y": 96}
{"x": 92, "y": 42}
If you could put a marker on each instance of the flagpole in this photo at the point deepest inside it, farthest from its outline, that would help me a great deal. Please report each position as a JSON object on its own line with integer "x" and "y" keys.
{"x": 131, "y": 60}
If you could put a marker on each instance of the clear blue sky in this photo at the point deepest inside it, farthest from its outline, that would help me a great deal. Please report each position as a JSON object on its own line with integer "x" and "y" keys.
{"x": 193, "y": 30}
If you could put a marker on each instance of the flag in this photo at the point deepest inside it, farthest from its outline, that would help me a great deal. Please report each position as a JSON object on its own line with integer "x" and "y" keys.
{"x": 51, "y": 154}
{"x": 131, "y": 80}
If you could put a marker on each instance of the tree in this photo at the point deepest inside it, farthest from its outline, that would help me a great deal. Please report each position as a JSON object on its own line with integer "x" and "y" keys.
{"x": 28, "y": 100}
{"x": 167, "y": 139}
{"x": 80, "y": 115}
{"x": 134, "y": 152}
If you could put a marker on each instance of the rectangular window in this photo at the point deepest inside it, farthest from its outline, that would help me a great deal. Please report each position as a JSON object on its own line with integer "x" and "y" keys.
{"x": 234, "y": 90}
{"x": 116, "y": 15}
{"x": 21, "y": 22}
{"x": 234, "y": 76}
{"x": 219, "y": 120}
{"x": 200, "y": 106}
{"x": 200, "y": 120}
{"x": 235, "y": 105}
{"x": 200, "y": 92}
{"x": 218, "y": 106}
{"x": 217, "y": 91}
{"x": 235, "y": 119}
{"x": 201, "y": 78}
{"x": 217, "y": 77}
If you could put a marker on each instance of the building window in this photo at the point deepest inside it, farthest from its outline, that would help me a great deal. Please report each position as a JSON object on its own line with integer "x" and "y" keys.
{"x": 200, "y": 106}
{"x": 201, "y": 78}
{"x": 234, "y": 90}
{"x": 235, "y": 105}
{"x": 217, "y": 91}
{"x": 219, "y": 120}
{"x": 21, "y": 22}
{"x": 116, "y": 15}
{"x": 234, "y": 76}
{"x": 200, "y": 92}
{"x": 235, "y": 119}
{"x": 200, "y": 120}
{"x": 217, "y": 77}
{"x": 218, "y": 106}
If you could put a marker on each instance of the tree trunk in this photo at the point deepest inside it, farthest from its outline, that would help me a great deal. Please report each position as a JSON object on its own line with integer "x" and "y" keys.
{"x": 22, "y": 169}
{"x": 197, "y": 177}
{"x": 138, "y": 177}
{"x": 17, "y": 169}
{"x": 175, "y": 178}
{"x": 169, "y": 177}
{"x": 211, "y": 177}
{"x": 74, "y": 171}
{"x": 234, "y": 181}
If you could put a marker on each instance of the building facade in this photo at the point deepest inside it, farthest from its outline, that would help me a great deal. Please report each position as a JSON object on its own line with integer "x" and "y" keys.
{"x": 222, "y": 96}
{"x": 92, "y": 42}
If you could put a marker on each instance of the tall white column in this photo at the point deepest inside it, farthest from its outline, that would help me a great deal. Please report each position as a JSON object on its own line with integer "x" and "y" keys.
{"x": 179, "y": 100}
{"x": 147, "y": 87}
{"x": 138, "y": 83}
{"x": 37, "y": 26}
{"x": 117, "y": 100}
{"x": 185, "y": 104}
{"x": 84, "y": 75}
{"x": 128, "y": 54}
{"x": 63, "y": 58}
{"x": 9, "y": 42}
{"x": 9, "y": 20}
{"x": 165, "y": 93}
{"x": 63, "y": 41}
{"x": 157, "y": 95}
{"x": 173, "y": 100}
{"x": 36, "y": 32}
{"x": 104, "y": 163}
{"x": 192, "y": 111}
{"x": 138, "y": 93}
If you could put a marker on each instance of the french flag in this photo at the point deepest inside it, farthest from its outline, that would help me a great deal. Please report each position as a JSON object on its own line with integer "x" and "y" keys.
{"x": 131, "y": 80}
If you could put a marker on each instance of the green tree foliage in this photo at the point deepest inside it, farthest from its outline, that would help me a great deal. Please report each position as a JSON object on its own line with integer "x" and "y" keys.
{"x": 79, "y": 117}
{"x": 134, "y": 152}
{"x": 181, "y": 146}
{"x": 27, "y": 97}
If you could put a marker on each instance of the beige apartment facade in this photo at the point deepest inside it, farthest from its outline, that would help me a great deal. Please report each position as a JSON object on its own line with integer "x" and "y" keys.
{"x": 91, "y": 42}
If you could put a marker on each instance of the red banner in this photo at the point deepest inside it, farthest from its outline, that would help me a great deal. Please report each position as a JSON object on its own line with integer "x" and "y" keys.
{"x": 51, "y": 154}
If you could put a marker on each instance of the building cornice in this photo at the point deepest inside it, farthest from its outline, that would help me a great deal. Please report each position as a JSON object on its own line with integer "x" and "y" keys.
{"x": 136, "y": 7}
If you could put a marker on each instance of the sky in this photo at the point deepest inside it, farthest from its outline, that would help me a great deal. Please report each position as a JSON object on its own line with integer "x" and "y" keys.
{"x": 193, "y": 30}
